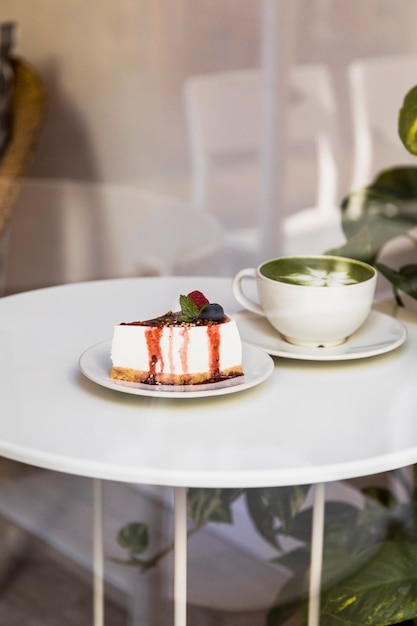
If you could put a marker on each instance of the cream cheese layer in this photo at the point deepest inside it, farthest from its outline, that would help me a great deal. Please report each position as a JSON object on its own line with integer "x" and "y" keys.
{"x": 177, "y": 349}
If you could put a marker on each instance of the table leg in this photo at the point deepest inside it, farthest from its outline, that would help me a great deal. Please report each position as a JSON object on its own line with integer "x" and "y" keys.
{"x": 180, "y": 556}
{"x": 316, "y": 563}
{"x": 98, "y": 556}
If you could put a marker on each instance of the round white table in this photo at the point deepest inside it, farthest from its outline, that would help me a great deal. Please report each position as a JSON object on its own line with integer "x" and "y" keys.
{"x": 310, "y": 422}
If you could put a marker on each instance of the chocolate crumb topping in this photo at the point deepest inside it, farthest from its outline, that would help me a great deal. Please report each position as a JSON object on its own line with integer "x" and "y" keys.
{"x": 173, "y": 319}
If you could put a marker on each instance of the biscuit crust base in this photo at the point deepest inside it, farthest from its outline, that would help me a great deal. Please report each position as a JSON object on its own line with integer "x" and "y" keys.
{"x": 138, "y": 376}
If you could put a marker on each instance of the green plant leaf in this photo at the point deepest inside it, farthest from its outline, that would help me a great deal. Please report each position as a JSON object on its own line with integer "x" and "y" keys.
{"x": 358, "y": 246}
{"x": 134, "y": 537}
{"x": 397, "y": 522}
{"x": 291, "y": 605}
{"x": 382, "y": 211}
{"x": 407, "y": 121}
{"x": 273, "y": 508}
{"x": 381, "y": 591}
{"x": 404, "y": 279}
{"x": 400, "y": 477}
{"x": 380, "y": 495}
{"x": 337, "y": 565}
{"x": 397, "y": 183}
{"x": 296, "y": 560}
{"x": 340, "y": 567}
{"x": 341, "y": 520}
{"x": 210, "y": 505}
{"x": 285, "y": 503}
{"x": 262, "y": 516}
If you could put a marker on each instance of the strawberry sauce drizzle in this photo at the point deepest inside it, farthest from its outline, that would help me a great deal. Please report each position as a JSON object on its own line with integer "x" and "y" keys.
{"x": 171, "y": 350}
{"x": 153, "y": 337}
{"x": 213, "y": 334}
{"x": 153, "y": 342}
{"x": 184, "y": 350}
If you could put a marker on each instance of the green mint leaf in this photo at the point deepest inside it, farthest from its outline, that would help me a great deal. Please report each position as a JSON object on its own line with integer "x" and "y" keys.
{"x": 189, "y": 308}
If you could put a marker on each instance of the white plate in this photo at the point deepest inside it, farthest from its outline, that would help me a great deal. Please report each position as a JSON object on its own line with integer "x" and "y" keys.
{"x": 257, "y": 366}
{"x": 379, "y": 334}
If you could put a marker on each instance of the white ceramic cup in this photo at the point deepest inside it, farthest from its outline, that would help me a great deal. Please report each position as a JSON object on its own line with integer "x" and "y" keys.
{"x": 311, "y": 300}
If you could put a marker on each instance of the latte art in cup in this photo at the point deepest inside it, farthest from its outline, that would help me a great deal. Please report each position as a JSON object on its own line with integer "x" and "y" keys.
{"x": 311, "y": 300}
{"x": 317, "y": 278}
{"x": 318, "y": 271}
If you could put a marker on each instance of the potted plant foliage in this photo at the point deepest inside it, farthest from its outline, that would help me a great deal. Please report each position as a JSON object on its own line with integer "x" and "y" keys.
{"x": 386, "y": 210}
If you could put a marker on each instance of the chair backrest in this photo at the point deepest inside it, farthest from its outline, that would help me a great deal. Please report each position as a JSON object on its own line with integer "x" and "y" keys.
{"x": 69, "y": 231}
{"x": 378, "y": 86}
{"x": 224, "y": 117}
{"x": 154, "y": 233}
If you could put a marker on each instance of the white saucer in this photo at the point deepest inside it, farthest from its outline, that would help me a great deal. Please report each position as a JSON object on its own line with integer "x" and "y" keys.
{"x": 379, "y": 334}
{"x": 95, "y": 364}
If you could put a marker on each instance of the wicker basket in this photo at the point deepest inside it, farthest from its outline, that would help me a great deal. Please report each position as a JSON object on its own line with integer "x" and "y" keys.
{"x": 27, "y": 115}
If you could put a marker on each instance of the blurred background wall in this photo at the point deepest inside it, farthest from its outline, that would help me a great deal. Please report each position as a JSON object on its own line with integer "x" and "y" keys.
{"x": 115, "y": 71}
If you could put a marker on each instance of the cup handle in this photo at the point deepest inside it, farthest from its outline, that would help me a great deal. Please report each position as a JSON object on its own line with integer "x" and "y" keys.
{"x": 240, "y": 296}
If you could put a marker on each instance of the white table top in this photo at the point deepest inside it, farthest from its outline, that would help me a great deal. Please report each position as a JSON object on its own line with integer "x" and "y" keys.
{"x": 309, "y": 422}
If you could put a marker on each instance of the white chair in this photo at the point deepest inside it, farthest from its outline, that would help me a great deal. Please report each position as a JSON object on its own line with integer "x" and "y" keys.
{"x": 150, "y": 232}
{"x": 378, "y": 86}
{"x": 69, "y": 231}
{"x": 224, "y": 118}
